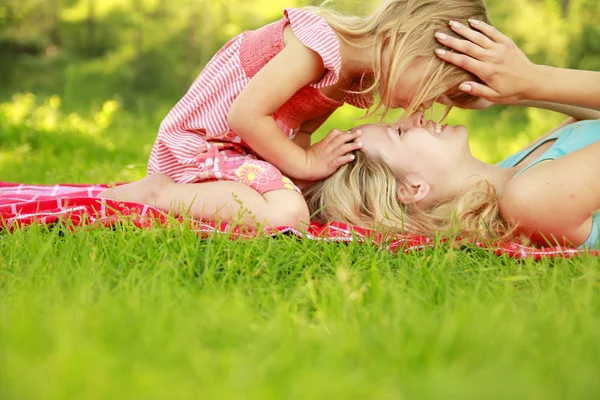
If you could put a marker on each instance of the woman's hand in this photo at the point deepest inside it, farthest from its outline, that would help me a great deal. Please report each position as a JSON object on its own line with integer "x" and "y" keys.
{"x": 507, "y": 72}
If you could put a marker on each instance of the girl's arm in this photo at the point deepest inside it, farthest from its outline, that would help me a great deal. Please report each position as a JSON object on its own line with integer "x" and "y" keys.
{"x": 509, "y": 75}
{"x": 303, "y": 137}
{"x": 555, "y": 200}
{"x": 250, "y": 116}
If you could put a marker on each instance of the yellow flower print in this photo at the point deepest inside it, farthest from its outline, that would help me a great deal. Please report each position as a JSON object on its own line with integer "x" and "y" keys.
{"x": 248, "y": 172}
{"x": 288, "y": 184}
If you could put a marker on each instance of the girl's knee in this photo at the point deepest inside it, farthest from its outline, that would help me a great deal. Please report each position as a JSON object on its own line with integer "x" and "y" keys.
{"x": 287, "y": 208}
{"x": 296, "y": 216}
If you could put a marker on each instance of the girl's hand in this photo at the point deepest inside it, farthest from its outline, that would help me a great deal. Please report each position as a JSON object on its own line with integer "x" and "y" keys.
{"x": 326, "y": 156}
{"x": 494, "y": 58}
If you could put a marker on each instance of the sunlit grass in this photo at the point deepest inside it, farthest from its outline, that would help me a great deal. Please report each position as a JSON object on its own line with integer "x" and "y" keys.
{"x": 160, "y": 314}
{"x": 43, "y": 144}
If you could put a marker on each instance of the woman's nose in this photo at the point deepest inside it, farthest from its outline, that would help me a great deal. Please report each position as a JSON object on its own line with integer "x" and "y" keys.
{"x": 416, "y": 120}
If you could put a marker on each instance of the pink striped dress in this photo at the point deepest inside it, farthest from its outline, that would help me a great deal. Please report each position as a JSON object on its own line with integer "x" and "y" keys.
{"x": 195, "y": 142}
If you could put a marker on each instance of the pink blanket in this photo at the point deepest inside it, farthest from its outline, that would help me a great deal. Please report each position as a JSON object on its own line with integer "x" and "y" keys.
{"x": 22, "y": 205}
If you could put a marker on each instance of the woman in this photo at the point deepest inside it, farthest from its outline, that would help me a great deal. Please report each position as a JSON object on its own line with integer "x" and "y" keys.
{"x": 420, "y": 177}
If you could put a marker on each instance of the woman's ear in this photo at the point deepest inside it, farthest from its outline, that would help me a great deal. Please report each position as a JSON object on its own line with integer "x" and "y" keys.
{"x": 416, "y": 192}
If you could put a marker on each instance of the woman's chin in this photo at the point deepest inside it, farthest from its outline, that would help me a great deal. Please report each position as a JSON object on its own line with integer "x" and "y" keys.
{"x": 453, "y": 130}
{"x": 461, "y": 128}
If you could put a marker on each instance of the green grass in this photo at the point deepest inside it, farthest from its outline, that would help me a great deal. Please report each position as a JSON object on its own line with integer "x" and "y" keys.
{"x": 160, "y": 314}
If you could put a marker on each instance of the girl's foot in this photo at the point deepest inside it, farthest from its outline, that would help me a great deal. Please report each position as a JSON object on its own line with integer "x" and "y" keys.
{"x": 143, "y": 191}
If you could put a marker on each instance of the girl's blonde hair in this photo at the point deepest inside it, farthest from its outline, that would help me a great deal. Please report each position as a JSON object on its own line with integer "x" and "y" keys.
{"x": 365, "y": 193}
{"x": 405, "y": 28}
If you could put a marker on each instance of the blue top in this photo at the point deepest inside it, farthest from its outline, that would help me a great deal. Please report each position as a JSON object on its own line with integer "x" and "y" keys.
{"x": 568, "y": 139}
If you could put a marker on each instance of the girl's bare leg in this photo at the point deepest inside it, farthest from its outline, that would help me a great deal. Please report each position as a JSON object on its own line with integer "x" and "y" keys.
{"x": 224, "y": 201}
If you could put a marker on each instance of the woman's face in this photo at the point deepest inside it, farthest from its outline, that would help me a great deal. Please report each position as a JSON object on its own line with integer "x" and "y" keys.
{"x": 421, "y": 149}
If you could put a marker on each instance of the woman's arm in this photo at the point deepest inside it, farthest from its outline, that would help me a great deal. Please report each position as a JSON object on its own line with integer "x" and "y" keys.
{"x": 576, "y": 112}
{"x": 509, "y": 75}
{"x": 250, "y": 115}
{"x": 556, "y": 199}
{"x": 568, "y": 86}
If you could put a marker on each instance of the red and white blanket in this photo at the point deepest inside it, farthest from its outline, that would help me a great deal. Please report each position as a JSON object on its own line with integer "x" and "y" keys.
{"x": 22, "y": 205}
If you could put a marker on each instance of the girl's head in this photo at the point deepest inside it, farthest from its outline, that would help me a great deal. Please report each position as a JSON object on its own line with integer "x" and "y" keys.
{"x": 406, "y": 72}
{"x": 410, "y": 177}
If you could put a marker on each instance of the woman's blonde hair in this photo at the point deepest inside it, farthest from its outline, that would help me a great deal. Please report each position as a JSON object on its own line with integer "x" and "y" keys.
{"x": 365, "y": 193}
{"x": 405, "y": 28}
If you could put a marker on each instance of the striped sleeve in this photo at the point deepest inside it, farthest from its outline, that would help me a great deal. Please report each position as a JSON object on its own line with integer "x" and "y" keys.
{"x": 314, "y": 32}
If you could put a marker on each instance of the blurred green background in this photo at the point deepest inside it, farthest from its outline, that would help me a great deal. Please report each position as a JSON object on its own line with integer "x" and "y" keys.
{"x": 103, "y": 73}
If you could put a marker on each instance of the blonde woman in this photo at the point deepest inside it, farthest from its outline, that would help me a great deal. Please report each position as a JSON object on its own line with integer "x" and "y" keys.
{"x": 420, "y": 177}
{"x": 240, "y": 137}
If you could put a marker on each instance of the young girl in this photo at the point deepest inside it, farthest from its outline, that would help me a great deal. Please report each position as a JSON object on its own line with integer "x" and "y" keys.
{"x": 225, "y": 148}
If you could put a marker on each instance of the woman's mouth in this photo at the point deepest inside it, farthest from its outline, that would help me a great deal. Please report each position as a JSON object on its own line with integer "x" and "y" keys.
{"x": 440, "y": 128}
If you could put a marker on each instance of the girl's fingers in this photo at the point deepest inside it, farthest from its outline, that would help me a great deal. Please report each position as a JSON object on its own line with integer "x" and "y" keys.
{"x": 479, "y": 90}
{"x": 348, "y": 147}
{"x": 339, "y": 161}
{"x": 463, "y": 46}
{"x": 468, "y": 33}
{"x": 356, "y": 134}
{"x": 333, "y": 134}
{"x": 345, "y": 138}
{"x": 460, "y": 60}
{"x": 488, "y": 30}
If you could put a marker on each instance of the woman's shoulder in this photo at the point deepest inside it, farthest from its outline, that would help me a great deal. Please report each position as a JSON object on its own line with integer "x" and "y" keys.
{"x": 549, "y": 196}
{"x": 524, "y": 208}
{"x": 528, "y": 200}
{"x": 542, "y": 217}
{"x": 541, "y": 203}
{"x": 518, "y": 198}
{"x": 524, "y": 188}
